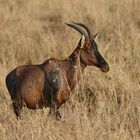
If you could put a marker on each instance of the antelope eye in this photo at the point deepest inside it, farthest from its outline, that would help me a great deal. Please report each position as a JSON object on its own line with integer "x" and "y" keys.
{"x": 90, "y": 48}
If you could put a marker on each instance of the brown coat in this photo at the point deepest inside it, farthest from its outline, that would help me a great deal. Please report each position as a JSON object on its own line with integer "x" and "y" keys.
{"x": 50, "y": 83}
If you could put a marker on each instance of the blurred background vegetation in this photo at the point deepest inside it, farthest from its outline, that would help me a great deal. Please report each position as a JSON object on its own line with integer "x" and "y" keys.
{"x": 103, "y": 106}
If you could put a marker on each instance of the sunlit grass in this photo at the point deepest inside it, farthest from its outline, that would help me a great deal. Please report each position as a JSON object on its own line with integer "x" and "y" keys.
{"x": 103, "y": 105}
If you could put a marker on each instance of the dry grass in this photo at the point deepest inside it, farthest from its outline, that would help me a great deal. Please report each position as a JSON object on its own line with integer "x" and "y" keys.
{"x": 32, "y": 31}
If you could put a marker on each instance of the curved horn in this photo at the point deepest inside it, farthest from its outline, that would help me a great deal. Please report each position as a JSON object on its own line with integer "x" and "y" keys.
{"x": 81, "y": 31}
{"x": 87, "y": 29}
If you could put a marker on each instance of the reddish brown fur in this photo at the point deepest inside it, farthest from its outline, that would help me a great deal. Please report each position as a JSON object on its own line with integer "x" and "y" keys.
{"x": 50, "y": 83}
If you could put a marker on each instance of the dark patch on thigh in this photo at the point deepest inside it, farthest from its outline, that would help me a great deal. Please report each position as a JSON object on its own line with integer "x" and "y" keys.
{"x": 56, "y": 79}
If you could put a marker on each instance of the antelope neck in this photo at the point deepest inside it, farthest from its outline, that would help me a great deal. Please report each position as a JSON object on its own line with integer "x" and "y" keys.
{"x": 75, "y": 59}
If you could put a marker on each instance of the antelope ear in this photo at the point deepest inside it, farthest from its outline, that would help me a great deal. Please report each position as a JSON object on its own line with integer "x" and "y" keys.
{"x": 95, "y": 35}
{"x": 82, "y": 41}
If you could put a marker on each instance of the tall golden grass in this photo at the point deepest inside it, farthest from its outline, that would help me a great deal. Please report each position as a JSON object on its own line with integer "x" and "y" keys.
{"x": 32, "y": 31}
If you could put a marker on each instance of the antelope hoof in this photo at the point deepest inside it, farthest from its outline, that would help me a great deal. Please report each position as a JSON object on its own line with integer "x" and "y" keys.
{"x": 57, "y": 115}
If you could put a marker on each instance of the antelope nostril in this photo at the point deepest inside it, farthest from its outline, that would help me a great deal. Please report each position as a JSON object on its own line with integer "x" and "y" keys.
{"x": 105, "y": 68}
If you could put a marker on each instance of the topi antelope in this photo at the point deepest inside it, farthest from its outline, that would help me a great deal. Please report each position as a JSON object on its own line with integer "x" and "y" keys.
{"x": 49, "y": 84}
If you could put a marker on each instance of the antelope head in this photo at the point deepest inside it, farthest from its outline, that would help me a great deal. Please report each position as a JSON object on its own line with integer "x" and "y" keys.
{"x": 89, "y": 52}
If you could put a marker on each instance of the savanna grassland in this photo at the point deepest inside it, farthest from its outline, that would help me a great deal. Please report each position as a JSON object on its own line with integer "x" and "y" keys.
{"x": 103, "y": 106}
